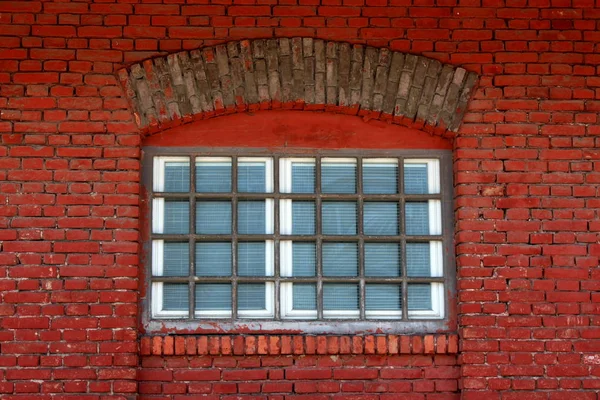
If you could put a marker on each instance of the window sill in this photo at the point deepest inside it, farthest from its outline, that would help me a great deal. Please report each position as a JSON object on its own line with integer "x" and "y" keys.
{"x": 242, "y": 345}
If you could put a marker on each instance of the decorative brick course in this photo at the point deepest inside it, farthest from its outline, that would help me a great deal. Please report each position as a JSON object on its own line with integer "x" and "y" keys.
{"x": 297, "y": 344}
{"x": 298, "y": 73}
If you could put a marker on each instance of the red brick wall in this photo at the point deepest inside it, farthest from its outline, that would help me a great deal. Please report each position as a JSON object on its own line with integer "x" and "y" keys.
{"x": 527, "y": 176}
{"x": 300, "y": 367}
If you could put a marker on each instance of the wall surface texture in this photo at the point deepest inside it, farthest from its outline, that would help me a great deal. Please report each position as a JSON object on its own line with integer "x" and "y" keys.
{"x": 527, "y": 189}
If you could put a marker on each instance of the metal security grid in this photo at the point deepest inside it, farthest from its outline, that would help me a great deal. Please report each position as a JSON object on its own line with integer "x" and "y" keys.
{"x": 319, "y": 238}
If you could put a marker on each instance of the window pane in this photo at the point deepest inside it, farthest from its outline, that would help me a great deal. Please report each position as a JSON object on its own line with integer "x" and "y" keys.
{"x": 340, "y": 296}
{"x": 303, "y": 177}
{"x": 339, "y": 218}
{"x": 251, "y": 217}
{"x": 381, "y": 297}
{"x": 251, "y": 259}
{"x": 175, "y": 297}
{"x": 177, "y": 176}
{"x": 213, "y": 177}
{"x": 418, "y": 259}
{"x": 304, "y": 296}
{"x": 177, "y": 217}
{"x": 213, "y": 297}
{"x": 251, "y": 296}
{"x": 419, "y": 297}
{"x": 380, "y": 178}
{"x": 213, "y": 217}
{"x": 304, "y": 259}
{"x": 340, "y": 259}
{"x": 338, "y": 177}
{"x": 417, "y": 218}
{"x": 303, "y": 218}
{"x": 415, "y": 178}
{"x": 213, "y": 259}
{"x": 252, "y": 177}
{"x": 382, "y": 259}
{"x": 380, "y": 218}
{"x": 176, "y": 261}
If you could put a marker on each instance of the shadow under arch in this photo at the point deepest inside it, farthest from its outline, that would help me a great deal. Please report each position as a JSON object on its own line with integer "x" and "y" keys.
{"x": 297, "y": 74}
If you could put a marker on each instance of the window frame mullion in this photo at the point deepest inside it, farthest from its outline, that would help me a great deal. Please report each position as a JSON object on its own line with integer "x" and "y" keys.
{"x": 234, "y": 238}
{"x": 276, "y": 242}
{"x": 361, "y": 241}
{"x": 192, "y": 240}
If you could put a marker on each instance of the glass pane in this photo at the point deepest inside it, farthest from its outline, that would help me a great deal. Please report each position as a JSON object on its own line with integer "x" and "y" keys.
{"x": 338, "y": 177}
{"x": 417, "y": 218}
{"x": 419, "y": 297}
{"x": 213, "y": 297}
{"x": 251, "y": 259}
{"x": 213, "y": 217}
{"x": 252, "y": 177}
{"x": 303, "y": 177}
{"x": 381, "y": 297}
{"x": 418, "y": 259}
{"x": 340, "y": 259}
{"x": 213, "y": 177}
{"x": 380, "y": 178}
{"x": 303, "y": 218}
{"x": 382, "y": 259}
{"x": 304, "y": 259}
{"x": 380, "y": 218}
{"x": 251, "y": 296}
{"x": 175, "y": 297}
{"x": 177, "y": 217}
{"x": 339, "y": 218}
{"x": 304, "y": 296}
{"x": 213, "y": 259}
{"x": 340, "y": 296}
{"x": 177, "y": 176}
{"x": 415, "y": 178}
{"x": 251, "y": 217}
{"x": 176, "y": 261}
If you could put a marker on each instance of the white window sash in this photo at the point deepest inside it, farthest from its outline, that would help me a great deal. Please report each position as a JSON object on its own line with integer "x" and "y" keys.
{"x": 268, "y": 163}
{"x": 380, "y": 161}
{"x": 341, "y": 314}
{"x": 157, "y": 304}
{"x": 437, "y": 304}
{"x": 435, "y": 217}
{"x": 433, "y": 172}
{"x": 287, "y": 304}
{"x": 158, "y": 215}
{"x": 285, "y": 171}
{"x": 268, "y": 311}
{"x": 158, "y": 182}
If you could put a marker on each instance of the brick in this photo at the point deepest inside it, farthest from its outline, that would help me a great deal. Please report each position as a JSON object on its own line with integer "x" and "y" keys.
{"x": 362, "y": 84}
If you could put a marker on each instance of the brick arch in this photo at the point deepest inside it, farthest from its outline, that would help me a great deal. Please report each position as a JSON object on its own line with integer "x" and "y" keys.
{"x": 298, "y": 73}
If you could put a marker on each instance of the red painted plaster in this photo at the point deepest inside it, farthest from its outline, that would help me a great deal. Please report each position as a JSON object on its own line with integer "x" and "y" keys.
{"x": 296, "y": 129}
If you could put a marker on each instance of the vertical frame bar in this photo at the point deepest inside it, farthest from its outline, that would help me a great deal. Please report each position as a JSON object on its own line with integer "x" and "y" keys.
{"x": 361, "y": 241}
{"x": 192, "y": 241}
{"x": 234, "y": 243}
{"x": 276, "y": 240}
{"x": 402, "y": 231}
{"x": 319, "y": 241}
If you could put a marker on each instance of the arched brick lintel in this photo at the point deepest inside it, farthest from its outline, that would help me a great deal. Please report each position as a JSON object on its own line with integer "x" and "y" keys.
{"x": 297, "y": 74}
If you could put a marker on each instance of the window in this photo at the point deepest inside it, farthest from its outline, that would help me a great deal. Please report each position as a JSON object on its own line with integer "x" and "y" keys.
{"x": 287, "y": 238}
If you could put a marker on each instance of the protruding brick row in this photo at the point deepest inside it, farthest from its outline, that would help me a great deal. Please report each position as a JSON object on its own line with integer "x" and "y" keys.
{"x": 297, "y": 73}
{"x": 300, "y": 344}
